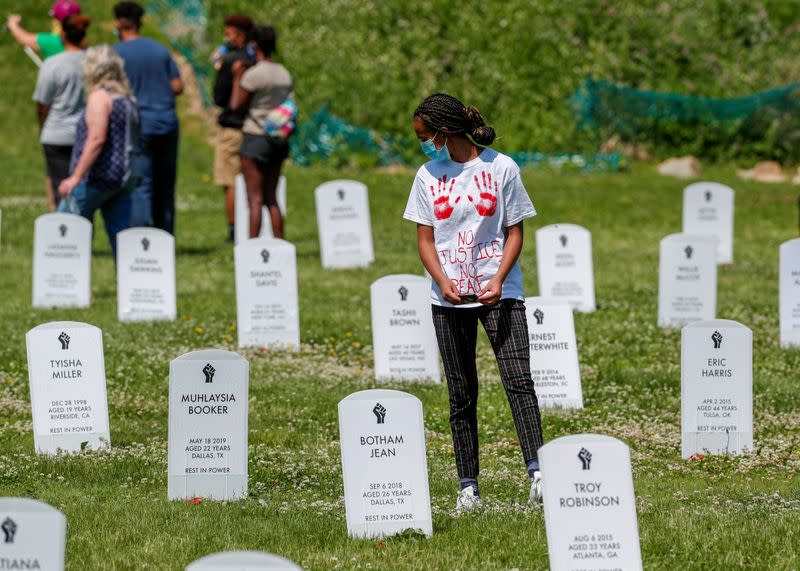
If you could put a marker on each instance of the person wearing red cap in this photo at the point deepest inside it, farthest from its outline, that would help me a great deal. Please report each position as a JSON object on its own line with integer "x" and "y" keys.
{"x": 48, "y": 44}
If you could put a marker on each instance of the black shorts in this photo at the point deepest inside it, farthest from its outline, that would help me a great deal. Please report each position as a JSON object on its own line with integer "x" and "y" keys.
{"x": 57, "y": 159}
{"x": 264, "y": 149}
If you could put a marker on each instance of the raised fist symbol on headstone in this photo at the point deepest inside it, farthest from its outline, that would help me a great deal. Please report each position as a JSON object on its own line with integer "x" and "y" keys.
{"x": 403, "y": 291}
{"x": 586, "y": 458}
{"x": 539, "y": 316}
{"x": 708, "y": 196}
{"x": 563, "y": 239}
{"x": 717, "y": 339}
{"x": 265, "y": 255}
{"x": 64, "y": 339}
{"x": 63, "y": 230}
{"x": 340, "y": 193}
{"x": 9, "y": 529}
{"x": 145, "y": 244}
{"x": 209, "y": 371}
{"x": 380, "y": 413}
{"x": 689, "y": 251}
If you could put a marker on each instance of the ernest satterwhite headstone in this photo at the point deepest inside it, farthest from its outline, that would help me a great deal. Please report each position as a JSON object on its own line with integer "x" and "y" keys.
{"x": 242, "y": 561}
{"x": 554, "y": 353}
{"x": 241, "y": 212}
{"x": 267, "y": 309}
{"x": 67, "y": 377}
{"x": 687, "y": 280}
{"x": 790, "y": 293}
{"x": 716, "y": 388}
{"x": 62, "y": 257}
{"x": 207, "y": 458}
{"x": 403, "y": 337}
{"x": 708, "y": 209}
{"x": 564, "y": 262}
{"x": 384, "y": 465}
{"x": 33, "y": 535}
{"x": 343, "y": 220}
{"x": 589, "y": 504}
{"x": 145, "y": 275}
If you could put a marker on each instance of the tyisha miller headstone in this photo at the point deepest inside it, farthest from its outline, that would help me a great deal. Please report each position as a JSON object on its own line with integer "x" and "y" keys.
{"x": 564, "y": 262}
{"x": 208, "y": 425}
{"x": 589, "y": 504}
{"x": 716, "y": 388}
{"x": 384, "y": 465}
{"x": 687, "y": 280}
{"x": 343, "y": 220}
{"x": 241, "y": 216}
{"x": 554, "y": 353}
{"x": 242, "y": 561}
{"x": 403, "y": 337}
{"x": 62, "y": 257}
{"x": 267, "y": 307}
{"x": 33, "y": 535}
{"x": 708, "y": 209}
{"x": 145, "y": 275}
{"x": 67, "y": 377}
{"x": 790, "y": 293}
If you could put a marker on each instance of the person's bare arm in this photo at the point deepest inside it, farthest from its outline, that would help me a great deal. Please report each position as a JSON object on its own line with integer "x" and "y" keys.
{"x": 430, "y": 259}
{"x": 491, "y": 292}
{"x": 176, "y": 85}
{"x": 98, "y": 110}
{"x": 23, "y": 36}
{"x": 240, "y": 97}
{"x": 41, "y": 113}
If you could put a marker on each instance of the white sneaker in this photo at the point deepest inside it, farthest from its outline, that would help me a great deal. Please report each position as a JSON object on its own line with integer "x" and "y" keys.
{"x": 536, "y": 489}
{"x": 467, "y": 501}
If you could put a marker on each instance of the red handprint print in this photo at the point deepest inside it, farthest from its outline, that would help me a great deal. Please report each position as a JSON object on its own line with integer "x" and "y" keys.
{"x": 486, "y": 205}
{"x": 442, "y": 208}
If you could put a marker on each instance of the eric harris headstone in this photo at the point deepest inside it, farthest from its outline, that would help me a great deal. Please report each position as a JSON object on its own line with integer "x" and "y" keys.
{"x": 384, "y": 465}
{"x": 62, "y": 258}
{"x": 32, "y": 535}
{"x": 589, "y": 504}
{"x": 208, "y": 425}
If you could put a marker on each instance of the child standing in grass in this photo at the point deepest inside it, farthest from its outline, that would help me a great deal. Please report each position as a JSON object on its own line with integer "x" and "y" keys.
{"x": 469, "y": 203}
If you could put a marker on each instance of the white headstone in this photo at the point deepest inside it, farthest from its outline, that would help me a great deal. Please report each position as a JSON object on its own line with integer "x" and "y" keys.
{"x": 242, "y": 561}
{"x": 687, "y": 280}
{"x": 207, "y": 458}
{"x": 67, "y": 377}
{"x": 708, "y": 209}
{"x": 716, "y": 388}
{"x": 33, "y": 535}
{"x": 62, "y": 258}
{"x": 554, "y": 353}
{"x": 790, "y": 293}
{"x": 267, "y": 310}
{"x": 145, "y": 275}
{"x": 564, "y": 262}
{"x": 384, "y": 465}
{"x": 241, "y": 210}
{"x": 589, "y": 504}
{"x": 403, "y": 338}
{"x": 345, "y": 231}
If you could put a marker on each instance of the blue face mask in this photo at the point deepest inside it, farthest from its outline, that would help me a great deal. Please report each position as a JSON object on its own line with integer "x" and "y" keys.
{"x": 429, "y": 148}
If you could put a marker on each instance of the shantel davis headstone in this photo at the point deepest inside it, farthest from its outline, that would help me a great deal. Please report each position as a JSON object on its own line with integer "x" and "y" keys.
{"x": 554, "y": 353}
{"x": 589, "y": 504}
{"x": 241, "y": 212}
{"x": 716, "y": 388}
{"x": 403, "y": 337}
{"x": 708, "y": 209}
{"x": 790, "y": 293}
{"x": 384, "y": 465}
{"x": 267, "y": 306}
{"x": 343, "y": 221}
{"x": 33, "y": 535}
{"x": 687, "y": 280}
{"x": 207, "y": 441}
{"x": 564, "y": 262}
{"x": 62, "y": 258}
{"x": 242, "y": 561}
{"x": 67, "y": 377}
{"x": 146, "y": 275}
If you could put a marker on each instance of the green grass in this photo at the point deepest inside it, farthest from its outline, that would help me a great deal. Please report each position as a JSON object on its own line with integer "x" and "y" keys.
{"x": 719, "y": 513}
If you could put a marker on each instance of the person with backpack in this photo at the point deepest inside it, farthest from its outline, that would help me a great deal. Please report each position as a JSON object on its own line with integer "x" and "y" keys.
{"x": 266, "y": 91}
{"x": 101, "y": 173}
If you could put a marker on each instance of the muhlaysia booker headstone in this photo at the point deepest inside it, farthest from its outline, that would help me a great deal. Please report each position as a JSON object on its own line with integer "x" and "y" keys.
{"x": 708, "y": 209}
{"x": 343, "y": 220}
{"x": 62, "y": 258}
{"x": 687, "y": 280}
{"x": 145, "y": 275}
{"x": 242, "y": 561}
{"x": 564, "y": 262}
{"x": 33, "y": 535}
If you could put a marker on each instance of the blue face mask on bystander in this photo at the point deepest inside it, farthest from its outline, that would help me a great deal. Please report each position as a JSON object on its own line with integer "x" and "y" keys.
{"x": 429, "y": 148}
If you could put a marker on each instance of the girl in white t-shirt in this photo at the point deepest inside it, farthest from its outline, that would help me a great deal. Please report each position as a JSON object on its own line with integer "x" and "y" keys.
{"x": 469, "y": 203}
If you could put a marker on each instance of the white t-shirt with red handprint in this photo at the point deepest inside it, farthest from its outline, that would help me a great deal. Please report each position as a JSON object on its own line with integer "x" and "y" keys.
{"x": 469, "y": 205}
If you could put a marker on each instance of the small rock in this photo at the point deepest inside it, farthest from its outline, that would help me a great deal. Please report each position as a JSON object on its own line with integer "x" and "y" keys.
{"x": 681, "y": 167}
{"x": 764, "y": 171}
{"x": 796, "y": 179}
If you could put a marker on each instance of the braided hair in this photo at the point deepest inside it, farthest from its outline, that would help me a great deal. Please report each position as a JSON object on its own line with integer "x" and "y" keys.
{"x": 443, "y": 112}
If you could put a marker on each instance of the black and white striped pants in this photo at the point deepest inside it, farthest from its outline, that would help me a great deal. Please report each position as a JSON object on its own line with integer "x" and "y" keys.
{"x": 507, "y": 328}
